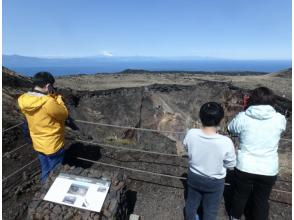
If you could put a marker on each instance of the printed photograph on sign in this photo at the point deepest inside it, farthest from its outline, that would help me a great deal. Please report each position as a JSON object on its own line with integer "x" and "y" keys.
{"x": 69, "y": 199}
{"x": 78, "y": 189}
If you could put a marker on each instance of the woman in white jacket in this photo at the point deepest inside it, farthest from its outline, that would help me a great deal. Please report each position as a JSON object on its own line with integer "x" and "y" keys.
{"x": 259, "y": 128}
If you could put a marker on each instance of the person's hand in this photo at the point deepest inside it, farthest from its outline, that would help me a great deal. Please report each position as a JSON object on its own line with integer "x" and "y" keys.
{"x": 59, "y": 99}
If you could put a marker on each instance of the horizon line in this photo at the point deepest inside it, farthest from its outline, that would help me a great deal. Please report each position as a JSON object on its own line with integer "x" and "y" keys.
{"x": 148, "y": 56}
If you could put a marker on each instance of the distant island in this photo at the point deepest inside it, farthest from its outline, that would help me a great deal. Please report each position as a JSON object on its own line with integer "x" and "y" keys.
{"x": 102, "y": 64}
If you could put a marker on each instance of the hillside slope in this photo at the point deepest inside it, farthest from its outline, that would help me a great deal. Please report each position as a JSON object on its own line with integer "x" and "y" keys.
{"x": 282, "y": 74}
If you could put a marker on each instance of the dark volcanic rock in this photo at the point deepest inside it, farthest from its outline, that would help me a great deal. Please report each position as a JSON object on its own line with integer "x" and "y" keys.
{"x": 12, "y": 79}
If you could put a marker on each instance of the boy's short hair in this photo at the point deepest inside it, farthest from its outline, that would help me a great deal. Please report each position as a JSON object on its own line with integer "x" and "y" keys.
{"x": 262, "y": 96}
{"x": 41, "y": 79}
{"x": 211, "y": 114}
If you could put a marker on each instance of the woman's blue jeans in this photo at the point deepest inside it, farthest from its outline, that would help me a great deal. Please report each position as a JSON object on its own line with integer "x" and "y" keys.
{"x": 207, "y": 190}
{"x": 49, "y": 162}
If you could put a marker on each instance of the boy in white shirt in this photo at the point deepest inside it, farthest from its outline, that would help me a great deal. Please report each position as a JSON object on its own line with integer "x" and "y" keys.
{"x": 209, "y": 155}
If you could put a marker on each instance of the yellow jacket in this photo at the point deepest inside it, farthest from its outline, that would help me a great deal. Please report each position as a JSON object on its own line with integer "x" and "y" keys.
{"x": 45, "y": 115}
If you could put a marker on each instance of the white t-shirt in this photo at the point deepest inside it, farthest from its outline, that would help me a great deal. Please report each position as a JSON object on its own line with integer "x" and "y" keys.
{"x": 209, "y": 155}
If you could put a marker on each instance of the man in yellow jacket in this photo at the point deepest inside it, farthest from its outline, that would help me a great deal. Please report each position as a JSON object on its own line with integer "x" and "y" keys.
{"x": 45, "y": 113}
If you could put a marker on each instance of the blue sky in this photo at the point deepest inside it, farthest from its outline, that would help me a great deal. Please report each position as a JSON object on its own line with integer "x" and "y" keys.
{"x": 237, "y": 29}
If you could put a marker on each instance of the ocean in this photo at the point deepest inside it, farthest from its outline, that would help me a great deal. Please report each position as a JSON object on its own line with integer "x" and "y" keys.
{"x": 181, "y": 65}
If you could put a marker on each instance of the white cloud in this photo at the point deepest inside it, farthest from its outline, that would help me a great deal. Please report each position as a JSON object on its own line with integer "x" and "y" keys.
{"x": 107, "y": 53}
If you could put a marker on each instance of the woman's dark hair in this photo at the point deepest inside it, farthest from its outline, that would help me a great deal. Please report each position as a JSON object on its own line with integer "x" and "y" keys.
{"x": 261, "y": 96}
{"x": 41, "y": 79}
{"x": 211, "y": 113}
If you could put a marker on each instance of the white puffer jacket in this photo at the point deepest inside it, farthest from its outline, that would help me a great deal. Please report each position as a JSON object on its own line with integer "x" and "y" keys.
{"x": 259, "y": 129}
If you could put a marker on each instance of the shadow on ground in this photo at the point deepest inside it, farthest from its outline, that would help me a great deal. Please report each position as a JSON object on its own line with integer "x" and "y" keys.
{"x": 75, "y": 150}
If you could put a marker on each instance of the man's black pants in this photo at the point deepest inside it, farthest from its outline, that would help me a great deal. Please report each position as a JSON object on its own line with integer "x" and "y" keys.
{"x": 258, "y": 188}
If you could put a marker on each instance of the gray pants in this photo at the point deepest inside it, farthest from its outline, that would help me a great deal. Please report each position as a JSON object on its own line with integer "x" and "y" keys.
{"x": 207, "y": 190}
